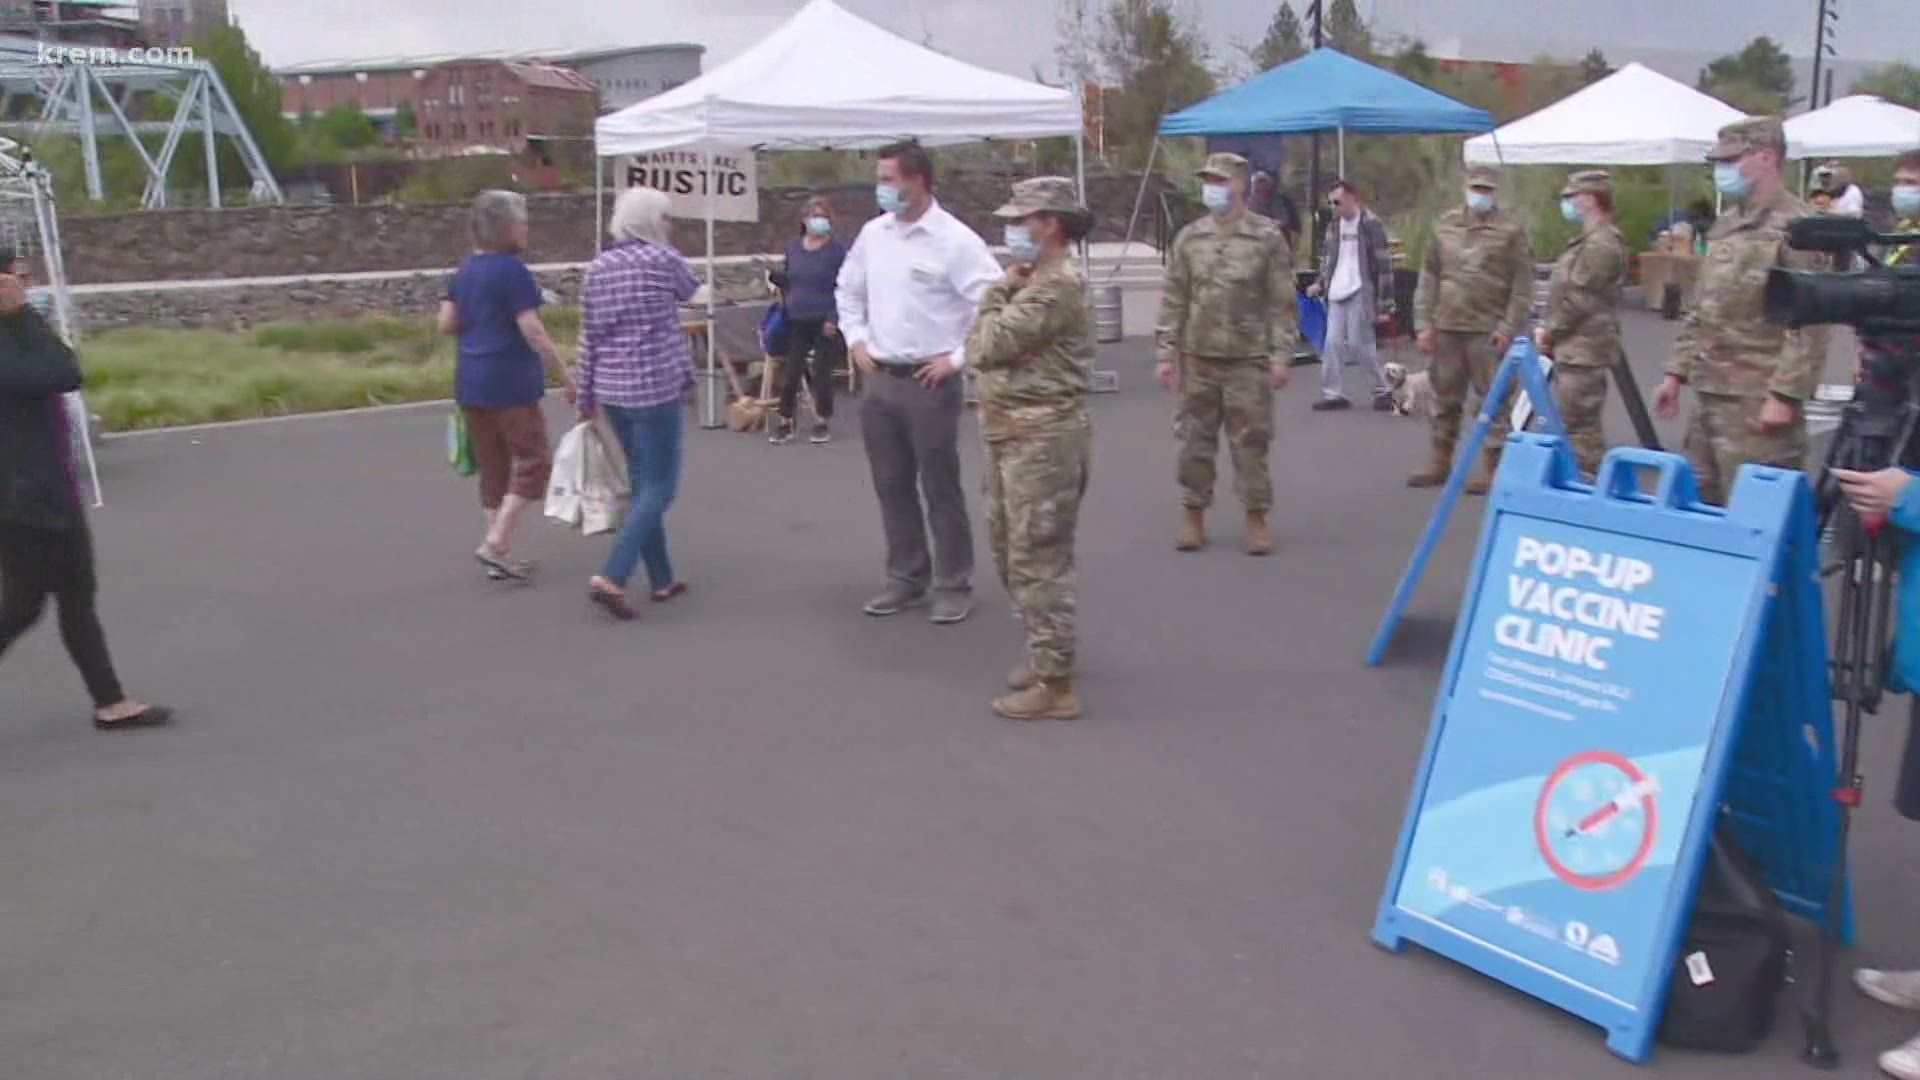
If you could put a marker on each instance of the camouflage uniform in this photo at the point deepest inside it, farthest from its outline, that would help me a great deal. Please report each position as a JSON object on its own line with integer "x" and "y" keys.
{"x": 1583, "y": 317}
{"x": 1728, "y": 352}
{"x": 1229, "y": 314}
{"x": 1477, "y": 279}
{"x": 1033, "y": 347}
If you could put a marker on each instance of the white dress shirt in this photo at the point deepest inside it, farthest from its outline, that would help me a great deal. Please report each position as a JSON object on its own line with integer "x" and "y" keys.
{"x": 1347, "y": 277}
{"x": 909, "y": 291}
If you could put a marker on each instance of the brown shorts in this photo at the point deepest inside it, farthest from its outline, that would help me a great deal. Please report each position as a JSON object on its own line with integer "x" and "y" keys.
{"x": 510, "y": 449}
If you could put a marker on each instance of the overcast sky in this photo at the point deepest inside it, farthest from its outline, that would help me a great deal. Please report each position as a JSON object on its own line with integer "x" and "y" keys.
{"x": 1007, "y": 34}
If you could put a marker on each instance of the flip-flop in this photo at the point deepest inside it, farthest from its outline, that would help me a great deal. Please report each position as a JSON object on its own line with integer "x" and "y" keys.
{"x": 511, "y": 569}
{"x": 616, "y": 606}
{"x": 661, "y": 596}
{"x": 151, "y": 717}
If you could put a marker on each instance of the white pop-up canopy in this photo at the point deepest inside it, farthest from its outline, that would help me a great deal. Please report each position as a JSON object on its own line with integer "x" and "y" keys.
{"x": 1858, "y": 126}
{"x": 1635, "y": 116}
{"x": 830, "y": 79}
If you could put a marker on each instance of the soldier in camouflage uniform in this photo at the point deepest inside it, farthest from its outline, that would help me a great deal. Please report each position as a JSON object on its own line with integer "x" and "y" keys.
{"x": 1750, "y": 377}
{"x": 1582, "y": 327}
{"x": 1476, "y": 290}
{"x": 1033, "y": 347}
{"x": 1228, "y": 326}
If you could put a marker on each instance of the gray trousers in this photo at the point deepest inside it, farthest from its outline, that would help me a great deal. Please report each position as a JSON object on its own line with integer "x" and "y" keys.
{"x": 1350, "y": 341}
{"x": 912, "y": 435}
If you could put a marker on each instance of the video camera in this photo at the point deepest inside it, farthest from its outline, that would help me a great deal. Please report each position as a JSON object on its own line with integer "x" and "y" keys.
{"x": 1877, "y": 300}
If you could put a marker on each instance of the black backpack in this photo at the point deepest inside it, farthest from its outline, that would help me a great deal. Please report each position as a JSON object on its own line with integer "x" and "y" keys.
{"x": 1733, "y": 961}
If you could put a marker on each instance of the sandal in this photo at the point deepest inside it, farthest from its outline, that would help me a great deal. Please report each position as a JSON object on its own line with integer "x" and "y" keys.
{"x": 508, "y": 569}
{"x": 661, "y": 596}
{"x": 150, "y": 717}
{"x": 614, "y": 604}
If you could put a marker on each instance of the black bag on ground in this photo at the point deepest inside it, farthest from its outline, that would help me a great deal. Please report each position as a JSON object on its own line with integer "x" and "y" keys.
{"x": 1733, "y": 960}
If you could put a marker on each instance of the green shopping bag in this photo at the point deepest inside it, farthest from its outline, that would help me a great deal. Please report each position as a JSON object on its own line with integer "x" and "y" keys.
{"x": 460, "y": 444}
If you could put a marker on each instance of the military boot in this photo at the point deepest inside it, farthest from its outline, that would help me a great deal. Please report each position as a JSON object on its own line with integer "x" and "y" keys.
{"x": 1022, "y": 677}
{"x": 1437, "y": 467}
{"x": 1259, "y": 537}
{"x": 1482, "y": 481}
{"x": 1193, "y": 534}
{"x": 1047, "y": 699}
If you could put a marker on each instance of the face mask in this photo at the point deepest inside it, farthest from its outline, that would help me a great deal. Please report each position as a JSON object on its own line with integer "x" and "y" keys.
{"x": 819, "y": 226}
{"x": 1479, "y": 202}
{"x": 1730, "y": 181}
{"x": 1218, "y": 197}
{"x": 1571, "y": 211}
{"x": 1021, "y": 245}
{"x": 41, "y": 298}
{"x": 890, "y": 199}
{"x": 1906, "y": 200}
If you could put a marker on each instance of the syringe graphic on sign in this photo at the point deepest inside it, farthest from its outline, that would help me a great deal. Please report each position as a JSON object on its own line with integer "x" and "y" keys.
{"x": 1596, "y": 820}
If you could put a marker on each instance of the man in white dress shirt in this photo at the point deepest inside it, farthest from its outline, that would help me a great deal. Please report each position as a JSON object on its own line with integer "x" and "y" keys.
{"x": 907, "y": 297}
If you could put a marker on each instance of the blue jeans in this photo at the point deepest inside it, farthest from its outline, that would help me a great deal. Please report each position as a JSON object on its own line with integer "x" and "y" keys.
{"x": 651, "y": 438}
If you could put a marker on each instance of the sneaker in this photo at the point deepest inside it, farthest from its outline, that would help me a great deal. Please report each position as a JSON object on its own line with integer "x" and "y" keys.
{"x": 1903, "y": 1061}
{"x": 1332, "y": 404}
{"x": 895, "y": 600}
{"x": 1900, "y": 989}
{"x": 821, "y": 434}
{"x": 952, "y": 607}
{"x": 780, "y": 433}
{"x": 1383, "y": 403}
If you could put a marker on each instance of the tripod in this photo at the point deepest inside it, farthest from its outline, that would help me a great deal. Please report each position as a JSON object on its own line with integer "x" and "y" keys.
{"x": 1876, "y": 430}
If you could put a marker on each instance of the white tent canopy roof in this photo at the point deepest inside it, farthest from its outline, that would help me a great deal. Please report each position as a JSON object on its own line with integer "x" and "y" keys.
{"x": 1858, "y": 126}
{"x": 829, "y": 79}
{"x": 1635, "y": 116}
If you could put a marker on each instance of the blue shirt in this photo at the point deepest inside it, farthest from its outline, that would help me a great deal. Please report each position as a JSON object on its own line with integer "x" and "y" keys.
{"x": 496, "y": 367}
{"x": 811, "y": 277}
{"x": 1905, "y": 516}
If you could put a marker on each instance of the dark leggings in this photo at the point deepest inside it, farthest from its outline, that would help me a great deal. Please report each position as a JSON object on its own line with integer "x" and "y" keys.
{"x": 809, "y": 336}
{"x": 36, "y": 564}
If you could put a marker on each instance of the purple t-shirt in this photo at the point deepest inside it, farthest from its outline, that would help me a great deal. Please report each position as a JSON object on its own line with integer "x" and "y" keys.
{"x": 496, "y": 368}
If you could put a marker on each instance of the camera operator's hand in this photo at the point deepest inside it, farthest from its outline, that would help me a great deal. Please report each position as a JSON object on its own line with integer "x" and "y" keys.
{"x": 1776, "y": 414}
{"x": 1666, "y": 400}
{"x": 1873, "y": 494}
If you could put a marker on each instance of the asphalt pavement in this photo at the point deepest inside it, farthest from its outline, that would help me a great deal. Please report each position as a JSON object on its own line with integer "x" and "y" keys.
{"x": 415, "y": 825}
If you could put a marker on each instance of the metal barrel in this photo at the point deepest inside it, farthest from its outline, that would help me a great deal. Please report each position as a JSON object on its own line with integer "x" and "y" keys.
{"x": 1107, "y": 326}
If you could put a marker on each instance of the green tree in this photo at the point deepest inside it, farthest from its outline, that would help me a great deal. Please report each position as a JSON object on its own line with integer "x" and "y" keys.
{"x": 1347, "y": 31}
{"x": 1896, "y": 82}
{"x": 1414, "y": 62}
{"x": 1594, "y": 67}
{"x": 346, "y": 127}
{"x": 405, "y": 124}
{"x": 1285, "y": 40}
{"x": 1757, "y": 79}
{"x": 256, "y": 95}
{"x": 1159, "y": 62}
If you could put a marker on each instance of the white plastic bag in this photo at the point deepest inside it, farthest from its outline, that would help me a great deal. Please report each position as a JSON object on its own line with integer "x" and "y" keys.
{"x": 604, "y": 492}
{"x": 566, "y": 488}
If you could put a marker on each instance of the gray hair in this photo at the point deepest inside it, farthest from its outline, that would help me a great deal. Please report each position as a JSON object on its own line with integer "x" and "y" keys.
{"x": 641, "y": 213}
{"x": 493, "y": 217}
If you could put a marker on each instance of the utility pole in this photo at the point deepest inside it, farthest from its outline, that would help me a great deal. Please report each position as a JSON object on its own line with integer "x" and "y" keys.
{"x": 1824, "y": 25}
{"x": 1309, "y": 206}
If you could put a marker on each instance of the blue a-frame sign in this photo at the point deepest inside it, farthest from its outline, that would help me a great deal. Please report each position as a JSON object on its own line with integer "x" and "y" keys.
{"x": 1626, "y": 670}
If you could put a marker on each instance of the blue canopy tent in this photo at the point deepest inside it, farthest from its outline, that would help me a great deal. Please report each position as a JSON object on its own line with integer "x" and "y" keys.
{"x": 1327, "y": 90}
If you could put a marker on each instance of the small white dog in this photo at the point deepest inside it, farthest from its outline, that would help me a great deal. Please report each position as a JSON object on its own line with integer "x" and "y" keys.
{"x": 1412, "y": 390}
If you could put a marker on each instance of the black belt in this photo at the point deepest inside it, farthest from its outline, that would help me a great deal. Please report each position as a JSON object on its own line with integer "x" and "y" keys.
{"x": 902, "y": 371}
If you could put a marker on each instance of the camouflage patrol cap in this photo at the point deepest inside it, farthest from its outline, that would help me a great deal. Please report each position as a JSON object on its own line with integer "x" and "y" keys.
{"x": 1588, "y": 182}
{"x": 1754, "y": 133}
{"x": 1486, "y": 176}
{"x": 1043, "y": 195}
{"x": 1224, "y": 167}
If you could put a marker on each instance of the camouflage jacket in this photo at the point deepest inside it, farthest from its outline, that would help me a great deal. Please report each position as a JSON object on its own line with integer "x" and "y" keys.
{"x": 1229, "y": 292}
{"x": 1727, "y": 346}
{"x": 1033, "y": 347}
{"x": 1583, "y": 302}
{"x": 1477, "y": 276}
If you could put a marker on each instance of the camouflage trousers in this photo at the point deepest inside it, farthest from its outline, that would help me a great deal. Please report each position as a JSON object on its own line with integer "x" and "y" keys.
{"x": 1722, "y": 436}
{"x": 1461, "y": 359}
{"x": 1032, "y": 494}
{"x": 1239, "y": 394}
{"x": 1581, "y": 393}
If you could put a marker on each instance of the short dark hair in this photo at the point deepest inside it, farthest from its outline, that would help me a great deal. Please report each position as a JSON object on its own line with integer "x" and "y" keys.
{"x": 1908, "y": 160}
{"x": 1074, "y": 226}
{"x": 1343, "y": 184}
{"x": 1603, "y": 199}
{"x": 913, "y": 159}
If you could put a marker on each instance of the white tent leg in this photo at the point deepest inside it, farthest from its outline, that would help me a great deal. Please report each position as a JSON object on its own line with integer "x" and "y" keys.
{"x": 1146, "y": 177}
{"x": 1080, "y": 179}
{"x": 599, "y": 194}
{"x": 48, "y": 226}
{"x": 712, "y": 417}
{"x": 1343, "y": 154}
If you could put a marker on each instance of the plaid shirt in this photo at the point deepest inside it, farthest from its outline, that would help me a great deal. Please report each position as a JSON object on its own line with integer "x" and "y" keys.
{"x": 634, "y": 353}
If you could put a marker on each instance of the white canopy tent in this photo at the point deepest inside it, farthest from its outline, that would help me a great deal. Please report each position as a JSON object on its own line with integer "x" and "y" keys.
{"x": 827, "y": 79}
{"x": 1861, "y": 126}
{"x": 1635, "y": 116}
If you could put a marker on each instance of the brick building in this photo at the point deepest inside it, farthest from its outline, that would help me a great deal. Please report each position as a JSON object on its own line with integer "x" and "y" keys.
{"x": 175, "y": 22}
{"x": 103, "y": 23}
{"x": 508, "y": 105}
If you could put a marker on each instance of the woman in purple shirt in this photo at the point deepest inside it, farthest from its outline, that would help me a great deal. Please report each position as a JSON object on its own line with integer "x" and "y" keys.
{"x": 636, "y": 366}
{"x": 808, "y": 280}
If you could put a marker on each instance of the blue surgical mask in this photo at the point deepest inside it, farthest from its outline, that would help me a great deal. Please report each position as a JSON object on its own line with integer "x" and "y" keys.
{"x": 1021, "y": 245}
{"x": 890, "y": 198}
{"x": 1217, "y": 197}
{"x": 819, "y": 226}
{"x": 1906, "y": 200}
{"x": 1730, "y": 181}
{"x": 1571, "y": 211}
{"x": 1479, "y": 202}
{"x": 41, "y": 298}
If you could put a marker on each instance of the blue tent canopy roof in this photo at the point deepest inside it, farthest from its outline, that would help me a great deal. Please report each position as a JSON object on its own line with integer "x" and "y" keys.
{"x": 1327, "y": 90}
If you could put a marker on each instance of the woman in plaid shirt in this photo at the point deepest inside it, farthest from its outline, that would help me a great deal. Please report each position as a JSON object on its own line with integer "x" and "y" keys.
{"x": 636, "y": 365}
